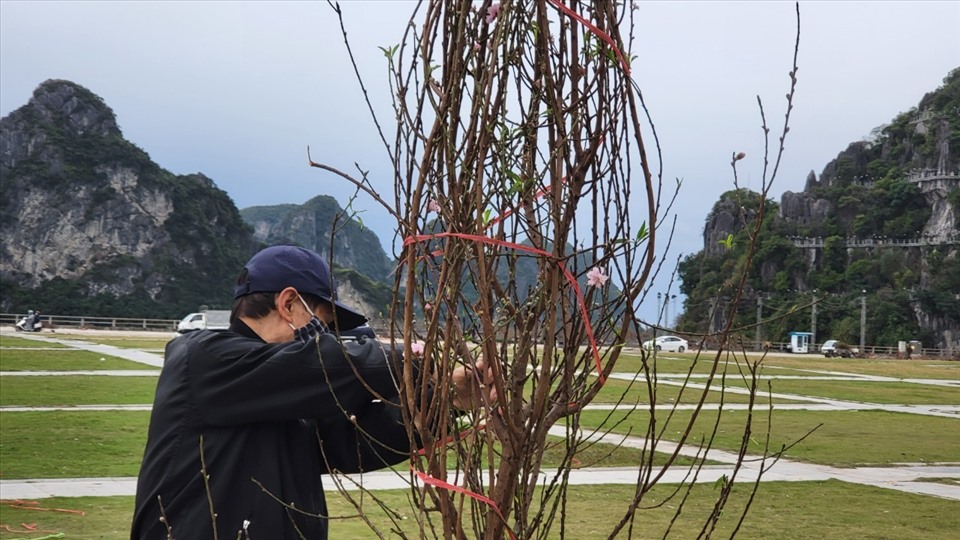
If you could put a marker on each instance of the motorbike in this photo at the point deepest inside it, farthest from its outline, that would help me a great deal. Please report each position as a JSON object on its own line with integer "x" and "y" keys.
{"x": 29, "y": 324}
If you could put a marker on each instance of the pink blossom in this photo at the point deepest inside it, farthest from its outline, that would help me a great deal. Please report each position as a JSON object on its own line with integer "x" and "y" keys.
{"x": 476, "y": 46}
{"x": 417, "y": 349}
{"x": 433, "y": 206}
{"x": 596, "y": 277}
{"x": 492, "y": 12}
{"x": 428, "y": 306}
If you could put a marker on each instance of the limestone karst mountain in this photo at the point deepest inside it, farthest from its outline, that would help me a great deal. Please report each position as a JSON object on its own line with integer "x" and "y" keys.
{"x": 92, "y": 226}
{"x": 877, "y": 230}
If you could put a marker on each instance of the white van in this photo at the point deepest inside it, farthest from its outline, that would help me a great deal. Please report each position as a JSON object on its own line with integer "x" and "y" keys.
{"x": 205, "y": 320}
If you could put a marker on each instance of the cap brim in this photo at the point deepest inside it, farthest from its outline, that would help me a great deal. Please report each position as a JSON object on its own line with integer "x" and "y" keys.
{"x": 345, "y": 318}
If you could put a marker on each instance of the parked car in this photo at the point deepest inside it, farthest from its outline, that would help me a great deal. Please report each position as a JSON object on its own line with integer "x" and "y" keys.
{"x": 205, "y": 320}
{"x": 832, "y": 347}
{"x": 667, "y": 343}
{"x": 358, "y": 333}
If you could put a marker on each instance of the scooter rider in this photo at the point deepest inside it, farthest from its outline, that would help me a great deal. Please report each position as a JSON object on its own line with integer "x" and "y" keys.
{"x": 30, "y": 322}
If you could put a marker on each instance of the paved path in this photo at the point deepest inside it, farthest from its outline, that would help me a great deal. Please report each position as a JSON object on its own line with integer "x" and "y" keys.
{"x": 901, "y": 478}
{"x": 783, "y": 470}
{"x": 946, "y": 411}
{"x": 143, "y": 357}
{"x": 897, "y": 478}
{"x": 936, "y": 410}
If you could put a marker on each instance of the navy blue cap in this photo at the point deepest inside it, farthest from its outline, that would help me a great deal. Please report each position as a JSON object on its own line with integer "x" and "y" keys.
{"x": 277, "y": 267}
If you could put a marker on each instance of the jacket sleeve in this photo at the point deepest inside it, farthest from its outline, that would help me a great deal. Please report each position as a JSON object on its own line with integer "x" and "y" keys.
{"x": 235, "y": 380}
{"x": 373, "y": 439}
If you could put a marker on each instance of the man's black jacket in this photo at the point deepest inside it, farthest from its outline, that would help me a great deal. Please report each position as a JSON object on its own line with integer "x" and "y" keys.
{"x": 276, "y": 415}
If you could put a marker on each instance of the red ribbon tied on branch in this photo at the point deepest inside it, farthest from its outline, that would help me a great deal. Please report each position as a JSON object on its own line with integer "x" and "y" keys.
{"x": 581, "y": 303}
{"x": 436, "y": 482}
{"x": 596, "y": 31}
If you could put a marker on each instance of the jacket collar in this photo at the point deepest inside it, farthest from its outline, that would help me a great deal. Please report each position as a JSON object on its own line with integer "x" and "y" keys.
{"x": 240, "y": 327}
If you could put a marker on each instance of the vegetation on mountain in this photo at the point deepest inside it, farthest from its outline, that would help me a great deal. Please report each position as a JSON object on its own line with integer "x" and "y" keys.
{"x": 910, "y": 291}
{"x": 322, "y": 225}
{"x": 76, "y": 148}
{"x": 138, "y": 241}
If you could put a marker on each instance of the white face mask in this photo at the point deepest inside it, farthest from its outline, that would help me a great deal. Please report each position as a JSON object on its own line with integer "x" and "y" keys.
{"x": 305, "y": 306}
{"x": 312, "y": 329}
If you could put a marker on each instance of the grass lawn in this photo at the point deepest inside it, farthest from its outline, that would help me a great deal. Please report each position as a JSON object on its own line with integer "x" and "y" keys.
{"x": 615, "y": 390}
{"x": 799, "y": 511}
{"x": 103, "y": 518}
{"x": 781, "y": 364}
{"x": 872, "y": 392}
{"x": 13, "y": 341}
{"x": 682, "y": 363}
{"x": 845, "y": 439}
{"x": 72, "y": 444}
{"x": 76, "y": 390}
{"x": 904, "y": 369}
{"x": 91, "y": 444}
{"x": 65, "y": 360}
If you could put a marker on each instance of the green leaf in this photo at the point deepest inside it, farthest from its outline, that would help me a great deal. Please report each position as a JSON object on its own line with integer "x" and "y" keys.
{"x": 643, "y": 233}
{"x": 721, "y": 482}
{"x": 727, "y": 242}
{"x": 389, "y": 51}
{"x": 535, "y": 29}
{"x": 487, "y": 214}
{"x": 516, "y": 182}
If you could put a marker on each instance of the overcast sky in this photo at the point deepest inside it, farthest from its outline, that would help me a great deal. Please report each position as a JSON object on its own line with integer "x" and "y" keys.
{"x": 238, "y": 90}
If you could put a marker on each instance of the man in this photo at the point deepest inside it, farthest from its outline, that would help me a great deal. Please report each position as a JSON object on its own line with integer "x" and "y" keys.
{"x": 246, "y": 420}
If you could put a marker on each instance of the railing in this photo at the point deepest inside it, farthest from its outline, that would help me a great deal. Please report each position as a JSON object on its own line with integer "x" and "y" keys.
{"x": 53, "y": 322}
{"x": 813, "y": 349}
{"x": 870, "y": 351}
{"x": 883, "y": 241}
{"x": 101, "y": 323}
{"x": 929, "y": 175}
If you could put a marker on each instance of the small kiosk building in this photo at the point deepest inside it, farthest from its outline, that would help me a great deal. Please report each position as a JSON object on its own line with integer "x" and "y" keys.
{"x": 800, "y": 342}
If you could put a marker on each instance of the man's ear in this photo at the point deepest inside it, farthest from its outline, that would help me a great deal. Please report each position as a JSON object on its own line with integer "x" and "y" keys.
{"x": 285, "y": 303}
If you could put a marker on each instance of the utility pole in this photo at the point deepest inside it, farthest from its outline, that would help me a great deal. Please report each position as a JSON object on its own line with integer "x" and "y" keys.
{"x": 759, "y": 317}
{"x": 714, "y": 302}
{"x": 813, "y": 323}
{"x": 675, "y": 306}
{"x": 666, "y": 310}
{"x": 659, "y": 304}
{"x": 863, "y": 321}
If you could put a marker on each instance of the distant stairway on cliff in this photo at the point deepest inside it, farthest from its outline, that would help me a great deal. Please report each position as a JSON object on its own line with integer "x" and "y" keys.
{"x": 932, "y": 179}
{"x": 881, "y": 241}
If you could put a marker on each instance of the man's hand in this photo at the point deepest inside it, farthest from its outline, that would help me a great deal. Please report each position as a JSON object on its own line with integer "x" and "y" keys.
{"x": 472, "y": 386}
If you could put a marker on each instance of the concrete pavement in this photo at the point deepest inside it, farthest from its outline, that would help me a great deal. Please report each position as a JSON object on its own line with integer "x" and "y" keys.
{"x": 897, "y": 478}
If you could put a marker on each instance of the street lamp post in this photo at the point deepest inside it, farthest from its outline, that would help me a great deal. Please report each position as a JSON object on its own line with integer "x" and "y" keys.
{"x": 666, "y": 310}
{"x": 674, "y": 299}
{"x": 863, "y": 321}
{"x": 759, "y": 318}
{"x": 813, "y": 322}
